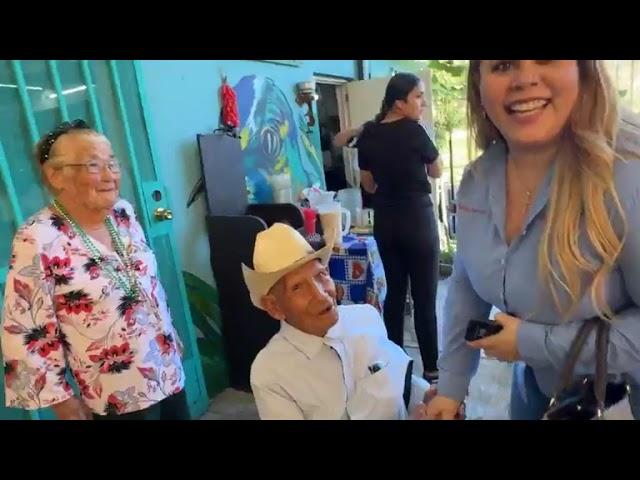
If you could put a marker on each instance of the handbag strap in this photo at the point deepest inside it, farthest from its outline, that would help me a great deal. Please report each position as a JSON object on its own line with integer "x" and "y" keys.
{"x": 601, "y": 353}
{"x": 566, "y": 374}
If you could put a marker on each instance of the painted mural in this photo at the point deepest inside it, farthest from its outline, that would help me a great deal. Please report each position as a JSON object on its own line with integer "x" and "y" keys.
{"x": 274, "y": 138}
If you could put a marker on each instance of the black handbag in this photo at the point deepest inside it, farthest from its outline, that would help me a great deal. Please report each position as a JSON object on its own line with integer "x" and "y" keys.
{"x": 588, "y": 397}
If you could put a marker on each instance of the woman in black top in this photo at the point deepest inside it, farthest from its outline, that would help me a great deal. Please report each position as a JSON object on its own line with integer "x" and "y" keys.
{"x": 396, "y": 156}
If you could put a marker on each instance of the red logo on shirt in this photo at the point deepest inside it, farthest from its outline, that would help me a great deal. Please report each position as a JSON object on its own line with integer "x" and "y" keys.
{"x": 465, "y": 208}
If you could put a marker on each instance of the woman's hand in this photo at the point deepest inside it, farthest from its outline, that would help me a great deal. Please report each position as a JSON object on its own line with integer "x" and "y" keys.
{"x": 345, "y": 136}
{"x": 368, "y": 182}
{"x": 504, "y": 345}
{"x": 72, "y": 409}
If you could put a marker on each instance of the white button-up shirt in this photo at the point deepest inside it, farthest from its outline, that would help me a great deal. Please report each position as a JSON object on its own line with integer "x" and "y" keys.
{"x": 302, "y": 376}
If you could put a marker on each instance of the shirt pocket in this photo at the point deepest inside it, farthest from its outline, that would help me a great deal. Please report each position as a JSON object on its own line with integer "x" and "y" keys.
{"x": 379, "y": 395}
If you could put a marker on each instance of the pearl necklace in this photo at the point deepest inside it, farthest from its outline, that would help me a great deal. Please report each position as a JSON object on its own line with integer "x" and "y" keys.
{"x": 127, "y": 281}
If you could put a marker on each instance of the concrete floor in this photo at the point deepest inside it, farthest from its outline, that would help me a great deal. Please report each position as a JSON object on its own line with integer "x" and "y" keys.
{"x": 232, "y": 405}
{"x": 488, "y": 393}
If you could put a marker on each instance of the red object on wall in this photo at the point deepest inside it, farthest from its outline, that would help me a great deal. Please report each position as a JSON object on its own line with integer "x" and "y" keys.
{"x": 310, "y": 216}
{"x": 230, "y": 116}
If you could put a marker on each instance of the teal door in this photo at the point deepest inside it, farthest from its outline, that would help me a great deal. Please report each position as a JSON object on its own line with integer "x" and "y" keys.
{"x": 36, "y": 95}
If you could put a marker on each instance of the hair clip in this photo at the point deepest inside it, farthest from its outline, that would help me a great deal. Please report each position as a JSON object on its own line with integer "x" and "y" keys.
{"x": 53, "y": 135}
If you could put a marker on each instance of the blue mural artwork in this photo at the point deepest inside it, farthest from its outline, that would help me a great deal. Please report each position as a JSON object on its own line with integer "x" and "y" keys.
{"x": 273, "y": 139}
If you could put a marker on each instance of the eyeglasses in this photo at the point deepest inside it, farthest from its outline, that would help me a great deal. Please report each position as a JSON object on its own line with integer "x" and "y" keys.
{"x": 96, "y": 167}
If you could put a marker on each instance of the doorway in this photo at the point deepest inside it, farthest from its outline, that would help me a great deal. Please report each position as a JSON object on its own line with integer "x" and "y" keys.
{"x": 329, "y": 125}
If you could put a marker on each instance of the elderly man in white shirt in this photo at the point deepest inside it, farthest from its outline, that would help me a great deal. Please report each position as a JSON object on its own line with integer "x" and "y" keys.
{"x": 327, "y": 362}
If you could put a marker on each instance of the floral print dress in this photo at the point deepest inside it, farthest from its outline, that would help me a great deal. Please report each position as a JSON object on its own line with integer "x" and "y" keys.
{"x": 61, "y": 312}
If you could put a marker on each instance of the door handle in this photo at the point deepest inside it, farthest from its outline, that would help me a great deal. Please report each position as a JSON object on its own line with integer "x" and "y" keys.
{"x": 162, "y": 214}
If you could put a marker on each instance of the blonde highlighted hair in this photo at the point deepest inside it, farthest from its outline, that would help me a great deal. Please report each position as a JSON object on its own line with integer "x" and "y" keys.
{"x": 582, "y": 189}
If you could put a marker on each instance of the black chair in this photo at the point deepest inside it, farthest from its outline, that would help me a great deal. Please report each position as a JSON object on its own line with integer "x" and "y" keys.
{"x": 232, "y": 225}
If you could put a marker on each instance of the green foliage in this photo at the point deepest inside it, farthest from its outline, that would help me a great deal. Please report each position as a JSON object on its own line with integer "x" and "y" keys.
{"x": 446, "y": 259}
{"x": 205, "y": 313}
{"x": 446, "y": 255}
{"x": 448, "y": 86}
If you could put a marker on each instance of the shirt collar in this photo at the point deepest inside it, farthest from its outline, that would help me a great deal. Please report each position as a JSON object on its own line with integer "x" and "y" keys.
{"x": 308, "y": 344}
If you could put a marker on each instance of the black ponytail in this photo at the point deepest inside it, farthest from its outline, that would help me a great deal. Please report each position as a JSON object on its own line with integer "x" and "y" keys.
{"x": 384, "y": 110}
{"x": 398, "y": 88}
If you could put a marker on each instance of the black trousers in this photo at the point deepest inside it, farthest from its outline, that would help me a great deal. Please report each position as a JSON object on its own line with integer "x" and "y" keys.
{"x": 174, "y": 407}
{"x": 407, "y": 237}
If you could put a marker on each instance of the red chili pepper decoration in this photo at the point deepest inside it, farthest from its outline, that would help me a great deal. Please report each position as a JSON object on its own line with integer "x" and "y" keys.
{"x": 230, "y": 117}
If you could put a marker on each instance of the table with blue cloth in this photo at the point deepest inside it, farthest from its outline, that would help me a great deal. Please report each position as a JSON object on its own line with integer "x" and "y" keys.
{"x": 356, "y": 269}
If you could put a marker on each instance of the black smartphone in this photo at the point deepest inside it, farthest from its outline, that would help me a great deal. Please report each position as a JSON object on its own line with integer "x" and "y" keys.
{"x": 478, "y": 329}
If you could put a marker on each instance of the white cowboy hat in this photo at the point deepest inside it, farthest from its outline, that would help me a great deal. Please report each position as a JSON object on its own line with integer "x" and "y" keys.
{"x": 278, "y": 250}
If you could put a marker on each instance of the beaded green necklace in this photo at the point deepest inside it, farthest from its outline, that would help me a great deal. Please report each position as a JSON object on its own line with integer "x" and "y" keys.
{"x": 127, "y": 280}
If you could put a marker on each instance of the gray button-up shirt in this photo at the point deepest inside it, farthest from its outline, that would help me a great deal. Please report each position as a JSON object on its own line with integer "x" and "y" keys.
{"x": 489, "y": 272}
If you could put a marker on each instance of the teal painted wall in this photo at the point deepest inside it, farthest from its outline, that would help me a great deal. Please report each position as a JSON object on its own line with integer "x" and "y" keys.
{"x": 339, "y": 68}
{"x": 182, "y": 97}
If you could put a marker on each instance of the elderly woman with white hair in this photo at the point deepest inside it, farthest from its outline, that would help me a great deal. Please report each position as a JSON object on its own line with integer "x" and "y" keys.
{"x": 83, "y": 294}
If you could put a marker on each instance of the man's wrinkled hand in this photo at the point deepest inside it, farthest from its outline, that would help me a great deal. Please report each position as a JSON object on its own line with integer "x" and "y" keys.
{"x": 437, "y": 407}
